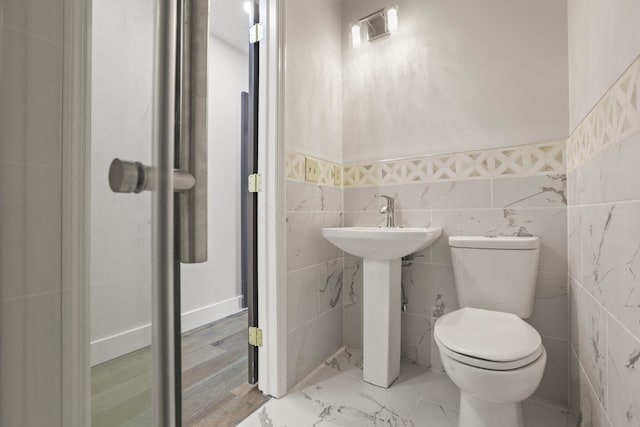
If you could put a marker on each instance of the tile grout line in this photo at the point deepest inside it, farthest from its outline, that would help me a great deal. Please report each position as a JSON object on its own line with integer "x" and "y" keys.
{"x": 607, "y": 203}
{"x": 605, "y": 309}
{"x": 591, "y": 387}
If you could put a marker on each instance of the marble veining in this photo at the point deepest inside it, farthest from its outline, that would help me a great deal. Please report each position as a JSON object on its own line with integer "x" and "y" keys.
{"x": 346, "y": 360}
{"x": 381, "y": 416}
{"x": 415, "y": 347}
{"x": 336, "y": 292}
{"x": 611, "y": 251}
{"x": 574, "y": 240}
{"x": 330, "y": 285}
{"x": 439, "y": 307}
{"x": 596, "y": 250}
{"x": 550, "y": 190}
{"x": 591, "y": 412}
{"x": 335, "y": 395}
{"x": 306, "y": 196}
{"x": 589, "y": 334}
{"x": 353, "y": 281}
{"x": 633, "y": 359}
{"x": 624, "y": 376}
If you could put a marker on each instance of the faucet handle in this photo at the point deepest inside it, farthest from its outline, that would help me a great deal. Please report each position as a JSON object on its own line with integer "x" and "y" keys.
{"x": 389, "y": 209}
{"x": 390, "y": 200}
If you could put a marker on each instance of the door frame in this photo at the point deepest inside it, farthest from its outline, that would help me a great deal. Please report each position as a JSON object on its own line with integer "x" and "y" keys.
{"x": 272, "y": 291}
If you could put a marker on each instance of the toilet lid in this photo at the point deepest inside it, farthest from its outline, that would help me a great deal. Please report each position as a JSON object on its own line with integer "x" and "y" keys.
{"x": 486, "y": 334}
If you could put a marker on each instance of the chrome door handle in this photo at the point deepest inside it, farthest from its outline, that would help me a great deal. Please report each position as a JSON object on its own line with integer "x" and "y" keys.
{"x": 134, "y": 177}
{"x": 194, "y": 130}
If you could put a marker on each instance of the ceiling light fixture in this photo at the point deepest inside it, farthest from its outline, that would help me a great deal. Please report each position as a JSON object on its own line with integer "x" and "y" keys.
{"x": 380, "y": 24}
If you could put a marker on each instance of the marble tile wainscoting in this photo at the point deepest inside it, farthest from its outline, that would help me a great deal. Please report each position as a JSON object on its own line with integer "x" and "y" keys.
{"x": 604, "y": 259}
{"x": 528, "y": 205}
{"x": 516, "y": 190}
{"x": 314, "y": 277}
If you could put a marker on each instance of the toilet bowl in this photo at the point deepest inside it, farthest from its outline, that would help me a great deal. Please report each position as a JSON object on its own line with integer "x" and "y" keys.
{"x": 495, "y": 358}
{"x": 488, "y": 350}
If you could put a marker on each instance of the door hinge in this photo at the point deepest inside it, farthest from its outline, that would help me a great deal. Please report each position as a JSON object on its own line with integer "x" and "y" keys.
{"x": 256, "y": 33}
{"x": 255, "y": 336}
{"x": 255, "y": 183}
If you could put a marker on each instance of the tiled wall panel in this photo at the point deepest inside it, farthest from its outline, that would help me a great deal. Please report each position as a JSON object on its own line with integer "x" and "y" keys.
{"x": 604, "y": 258}
{"x": 33, "y": 46}
{"x": 527, "y": 205}
{"x": 314, "y": 277}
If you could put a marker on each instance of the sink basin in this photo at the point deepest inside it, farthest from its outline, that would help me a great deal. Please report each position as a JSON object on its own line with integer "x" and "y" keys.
{"x": 382, "y": 250}
{"x": 381, "y": 243}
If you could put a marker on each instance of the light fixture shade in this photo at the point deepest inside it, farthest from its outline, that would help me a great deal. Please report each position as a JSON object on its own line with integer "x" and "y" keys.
{"x": 248, "y": 6}
{"x": 356, "y": 38}
{"x": 392, "y": 19}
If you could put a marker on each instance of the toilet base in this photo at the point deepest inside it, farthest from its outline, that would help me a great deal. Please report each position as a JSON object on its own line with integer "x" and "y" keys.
{"x": 478, "y": 413}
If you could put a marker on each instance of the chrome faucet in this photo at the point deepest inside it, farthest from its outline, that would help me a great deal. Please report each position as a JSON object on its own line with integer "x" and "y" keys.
{"x": 389, "y": 209}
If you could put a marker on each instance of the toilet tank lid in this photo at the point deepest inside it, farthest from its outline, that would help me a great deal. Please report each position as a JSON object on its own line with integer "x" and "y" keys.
{"x": 499, "y": 242}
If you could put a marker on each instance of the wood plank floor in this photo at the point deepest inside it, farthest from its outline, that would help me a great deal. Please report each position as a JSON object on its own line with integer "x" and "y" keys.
{"x": 214, "y": 381}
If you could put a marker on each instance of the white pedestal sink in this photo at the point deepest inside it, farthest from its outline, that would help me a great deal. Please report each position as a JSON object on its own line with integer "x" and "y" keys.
{"x": 382, "y": 250}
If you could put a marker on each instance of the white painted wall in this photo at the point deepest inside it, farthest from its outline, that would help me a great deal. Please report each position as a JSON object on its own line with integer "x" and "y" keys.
{"x": 122, "y": 68}
{"x": 456, "y": 76}
{"x": 603, "y": 41}
{"x": 213, "y": 289}
{"x": 121, "y": 224}
{"x": 313, "y": 78}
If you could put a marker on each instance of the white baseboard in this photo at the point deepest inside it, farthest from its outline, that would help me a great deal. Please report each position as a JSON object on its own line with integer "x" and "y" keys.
{"x": 108, "y": 348}
{"x": 207, "y": 314}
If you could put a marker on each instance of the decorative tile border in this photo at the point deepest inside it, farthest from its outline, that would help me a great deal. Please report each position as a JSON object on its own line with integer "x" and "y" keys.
{"x": 614, "y": 118}
{"x": 522, "y": 160}
{"x": 330, "y": 173}
{"x": 294, "y": 165}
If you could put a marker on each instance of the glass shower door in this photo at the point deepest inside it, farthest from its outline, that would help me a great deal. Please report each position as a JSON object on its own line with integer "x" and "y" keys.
{"x": 121, "y": 233}
{"x": 137, "y": 97}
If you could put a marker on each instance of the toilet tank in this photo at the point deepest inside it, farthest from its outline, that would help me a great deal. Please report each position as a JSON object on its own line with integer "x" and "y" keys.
{"x": 496, "y": 273}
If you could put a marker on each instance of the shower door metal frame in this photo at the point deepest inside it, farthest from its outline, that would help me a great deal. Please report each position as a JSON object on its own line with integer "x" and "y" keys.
{"x": 179, "y": 218}
{"x": 163, "y": 378}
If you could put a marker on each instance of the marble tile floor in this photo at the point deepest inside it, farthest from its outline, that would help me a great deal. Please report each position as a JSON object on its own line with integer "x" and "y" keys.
{"x": 335, "y": 395}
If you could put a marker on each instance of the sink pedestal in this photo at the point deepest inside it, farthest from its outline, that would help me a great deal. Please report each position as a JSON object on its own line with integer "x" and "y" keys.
{"x": 382, "y": 250}
{"x": 381, "y": 321}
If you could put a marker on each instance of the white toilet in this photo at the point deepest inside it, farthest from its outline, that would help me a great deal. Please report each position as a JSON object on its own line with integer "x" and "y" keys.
{"x": 489, "y": 352}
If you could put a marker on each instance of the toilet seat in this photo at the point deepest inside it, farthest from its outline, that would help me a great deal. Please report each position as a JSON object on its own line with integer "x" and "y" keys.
{"x": 487, "y": 339}
{"x": 489, "y": 364}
